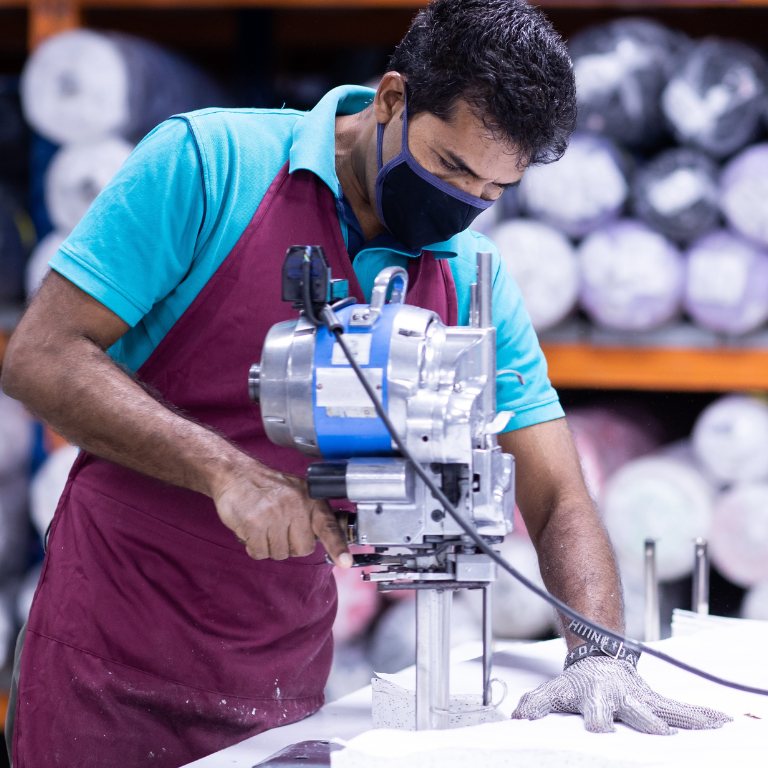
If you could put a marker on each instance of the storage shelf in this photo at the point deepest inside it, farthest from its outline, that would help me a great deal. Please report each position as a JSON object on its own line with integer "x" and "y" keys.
{"x": 581, "y": 366}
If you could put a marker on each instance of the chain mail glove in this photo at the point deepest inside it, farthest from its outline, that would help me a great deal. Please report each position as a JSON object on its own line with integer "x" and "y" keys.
{"x": 604, "y": 689}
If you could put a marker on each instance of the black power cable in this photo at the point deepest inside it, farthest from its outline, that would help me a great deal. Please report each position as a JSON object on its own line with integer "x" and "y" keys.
{"x": 333, "y": 324}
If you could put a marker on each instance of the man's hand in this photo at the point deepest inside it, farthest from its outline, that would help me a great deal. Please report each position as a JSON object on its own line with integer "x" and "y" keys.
{"x": 275, "y": 518}
{"x": 604, "y": 690}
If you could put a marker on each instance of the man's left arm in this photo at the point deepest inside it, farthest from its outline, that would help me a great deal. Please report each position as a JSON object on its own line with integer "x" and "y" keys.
{"x": 575, "y": 555}
{"x": 578, "y": 566}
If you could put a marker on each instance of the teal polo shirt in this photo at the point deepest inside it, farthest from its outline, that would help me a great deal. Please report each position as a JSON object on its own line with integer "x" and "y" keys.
{"x": 160, "y": 229}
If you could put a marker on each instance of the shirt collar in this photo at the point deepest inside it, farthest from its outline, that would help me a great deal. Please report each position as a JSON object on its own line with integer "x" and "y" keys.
{"x": 314, "y": 136}
{"x": 314, "y": 149}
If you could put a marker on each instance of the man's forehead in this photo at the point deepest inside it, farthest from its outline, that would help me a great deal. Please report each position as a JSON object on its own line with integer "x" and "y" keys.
{"x": 465, "y": 135}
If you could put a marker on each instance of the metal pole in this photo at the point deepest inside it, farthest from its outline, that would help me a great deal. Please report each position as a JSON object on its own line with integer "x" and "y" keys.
{"x": 700, "y": 602}
{"x": 484, "y": 289}
{"x": 652, "y": 619}
{"x": 433, "y": 647}
{"x": 487, "y": 644}
{"x": 474, "y": 318}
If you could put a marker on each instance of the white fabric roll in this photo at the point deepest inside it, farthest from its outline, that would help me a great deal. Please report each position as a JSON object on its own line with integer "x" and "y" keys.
{"x": 75, "y": 87}
{"x": 739, "y": 541}
{"x": 726, "y": 287}
{"x": 543, "y": 263}
{"x": 15, "y": 437}
{"x": 661, "y": 498}
{"x": 730, "y": 439}
{"x": 37, "y": 266}
{"x": 744, "y": 193}
{"x": 582, "y": 191}
{"x": 48, "y": 485}
{"x": 82, "y": 85}
{"x": 77, "y": 174}
{"x": 632, "y": 277}
{"x": 755, "y": 605}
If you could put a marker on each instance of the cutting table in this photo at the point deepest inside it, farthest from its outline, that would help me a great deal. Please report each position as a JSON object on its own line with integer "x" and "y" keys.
{"x": 734, "y": 650}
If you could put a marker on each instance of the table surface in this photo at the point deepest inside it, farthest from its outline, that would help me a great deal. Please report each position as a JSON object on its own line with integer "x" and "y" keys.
{"x": 736, "y": 654}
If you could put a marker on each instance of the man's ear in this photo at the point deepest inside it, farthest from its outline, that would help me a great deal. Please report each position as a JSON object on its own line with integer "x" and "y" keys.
{"x": 390, "y": 93}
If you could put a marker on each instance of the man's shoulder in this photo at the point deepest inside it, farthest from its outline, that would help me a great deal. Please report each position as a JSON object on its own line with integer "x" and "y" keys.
{"x": 241, "y": 129}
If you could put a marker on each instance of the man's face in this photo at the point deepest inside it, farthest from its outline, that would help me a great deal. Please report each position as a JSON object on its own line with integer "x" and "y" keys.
{"x": 460, "y": 151}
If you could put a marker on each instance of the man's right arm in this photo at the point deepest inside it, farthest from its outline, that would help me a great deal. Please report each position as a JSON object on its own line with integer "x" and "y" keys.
{"x": 56, "y": 364}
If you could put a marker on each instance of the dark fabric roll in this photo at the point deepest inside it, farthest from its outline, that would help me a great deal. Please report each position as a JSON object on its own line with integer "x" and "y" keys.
{"x": 717, "y": 98}
{"x": 621, "y": 69}
{"x": 676, "y": 194}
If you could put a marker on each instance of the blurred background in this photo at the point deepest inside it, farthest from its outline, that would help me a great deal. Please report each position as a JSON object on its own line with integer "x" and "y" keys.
{"x": 642, "y": 257}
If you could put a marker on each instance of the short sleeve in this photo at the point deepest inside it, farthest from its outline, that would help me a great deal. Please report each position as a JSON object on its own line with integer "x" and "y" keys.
{"x": 517, "y": 349}
{"x": 137, "y": 241}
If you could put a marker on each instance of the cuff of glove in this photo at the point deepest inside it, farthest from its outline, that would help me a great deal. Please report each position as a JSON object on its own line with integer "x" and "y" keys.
{"x": 597, "y": 645}
{"x": 617, "y": 651}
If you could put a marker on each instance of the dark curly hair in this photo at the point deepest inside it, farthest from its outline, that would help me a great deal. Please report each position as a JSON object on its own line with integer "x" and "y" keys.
{"x": 505, "y": 59}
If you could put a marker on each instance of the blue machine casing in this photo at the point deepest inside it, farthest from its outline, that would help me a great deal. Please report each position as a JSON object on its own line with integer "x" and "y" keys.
{"x": 340, "y": 435}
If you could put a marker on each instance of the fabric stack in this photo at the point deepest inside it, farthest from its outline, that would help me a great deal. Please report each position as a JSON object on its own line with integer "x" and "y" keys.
{"x": 96, "y": 94}
{"x": 659, "y": 208}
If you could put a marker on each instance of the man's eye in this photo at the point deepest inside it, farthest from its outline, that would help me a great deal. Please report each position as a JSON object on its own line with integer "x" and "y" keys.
{"x": 449, "y": 167}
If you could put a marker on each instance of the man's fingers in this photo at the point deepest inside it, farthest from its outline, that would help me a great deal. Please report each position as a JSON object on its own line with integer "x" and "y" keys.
{"x": 533, "y": 705}
{"x": 328, "y": 531}
{"x": 279, "y": 546}
{"x": 301, "y": 540}
{"x": 598, "y": 710}
{"x": 688, "y": 716}
{"x": 640, "y": 717}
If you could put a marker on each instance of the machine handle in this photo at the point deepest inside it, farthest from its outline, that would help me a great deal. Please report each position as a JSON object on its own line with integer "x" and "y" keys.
{"x": 395, "y": 276}
{"x": 384, "y": 279}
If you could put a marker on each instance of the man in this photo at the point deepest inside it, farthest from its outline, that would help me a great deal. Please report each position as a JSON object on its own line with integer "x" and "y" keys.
{"x": 184, "y": 603}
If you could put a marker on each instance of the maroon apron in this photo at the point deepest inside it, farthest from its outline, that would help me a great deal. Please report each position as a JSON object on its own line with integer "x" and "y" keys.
{"x": 153, "y": 638}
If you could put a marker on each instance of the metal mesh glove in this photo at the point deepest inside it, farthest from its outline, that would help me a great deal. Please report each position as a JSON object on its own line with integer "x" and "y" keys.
{"x": 603, "y": 690}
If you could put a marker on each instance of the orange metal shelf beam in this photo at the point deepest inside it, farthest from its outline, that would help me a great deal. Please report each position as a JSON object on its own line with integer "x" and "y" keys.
{"x": 685, "y": 370}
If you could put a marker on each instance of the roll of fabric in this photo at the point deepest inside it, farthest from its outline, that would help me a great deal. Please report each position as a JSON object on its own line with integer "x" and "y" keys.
{"x": 77, "y": 174}
{"x": 16, "y": 438}
{"x": 730, "y": 439}
{"x": 744, "y": 193}
{"x": 82, "y": 85}
{"x": 48, "y": 485}
{"x": 755, "y": 605}
{"x": 726, "y": 286}
{"x": 582, "y": 191}
{"x": 631, "y": 277}
{"x": 543, "y": 263}
{"x": 662, "y": 498}
{"x": 17, "y": 238}
{"x": 621, "y": 69}
{"x": 606, "y": 440}
{"x": 37, "y": 266}
{"x": 716, "y": 99}
{"x": 677, "y": 194}
{"x": 739, "y": 540}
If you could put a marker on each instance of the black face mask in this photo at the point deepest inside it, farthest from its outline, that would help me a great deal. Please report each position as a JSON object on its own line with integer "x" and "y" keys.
{"x": 414, "y": 205}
